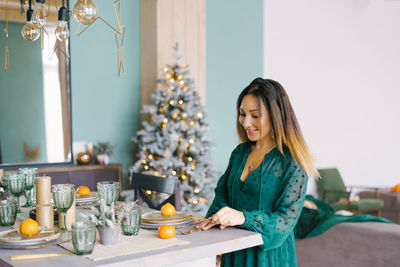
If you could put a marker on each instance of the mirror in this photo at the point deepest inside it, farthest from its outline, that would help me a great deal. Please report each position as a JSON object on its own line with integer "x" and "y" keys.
{"x": 34, "y": 93}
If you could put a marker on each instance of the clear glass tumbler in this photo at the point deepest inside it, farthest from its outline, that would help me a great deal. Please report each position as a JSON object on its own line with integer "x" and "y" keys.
{"x": 131, "y": 222}
{"x": 8, "y": 212}
{"x": 63, "y": 197}
{"x": 83, "y": 237}
{"x": 16, "y": 186}
{"x": 109, "y": 191}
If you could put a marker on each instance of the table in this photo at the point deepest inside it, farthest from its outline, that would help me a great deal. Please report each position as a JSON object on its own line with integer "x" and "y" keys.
{"x": 202, "y": 250}
{"x": 391, "y": 208}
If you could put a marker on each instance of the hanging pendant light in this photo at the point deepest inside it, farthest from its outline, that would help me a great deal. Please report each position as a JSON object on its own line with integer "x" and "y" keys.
{"x": 30, "y": 31}
{"x": 62, "y": 31}
{"x": 39, "y": 14}
{"x": 85, "y": 11}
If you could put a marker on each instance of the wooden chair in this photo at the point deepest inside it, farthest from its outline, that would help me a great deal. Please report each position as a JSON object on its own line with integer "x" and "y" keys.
{"x": 142, "y": 182}
{"x": 331, "y": 189}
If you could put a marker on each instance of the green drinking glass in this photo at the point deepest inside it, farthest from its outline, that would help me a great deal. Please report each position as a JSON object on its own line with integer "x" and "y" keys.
{"x": 30, "y": 175}
{"x": 16, "y": 186}
{"x": 109, "y": 191}
{"x": 63, "y": 197}
{"x": 83, "y": 237}
{"x": 131, "y": 222}
{"x": 8, "y": 212}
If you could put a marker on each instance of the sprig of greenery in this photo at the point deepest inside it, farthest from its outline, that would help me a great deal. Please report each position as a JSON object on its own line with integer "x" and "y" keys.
{"x": 103, "y": 148}
{"x": 108, "y": 216}
{"x": 123, "y": 209}
{"x": 104, "y": 217}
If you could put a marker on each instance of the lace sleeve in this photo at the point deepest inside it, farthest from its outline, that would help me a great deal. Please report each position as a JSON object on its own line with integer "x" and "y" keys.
{"x": 275, "y": 226}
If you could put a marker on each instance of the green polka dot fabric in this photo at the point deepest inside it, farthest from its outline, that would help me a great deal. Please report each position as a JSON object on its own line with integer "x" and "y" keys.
{"x": 271, "y": 199}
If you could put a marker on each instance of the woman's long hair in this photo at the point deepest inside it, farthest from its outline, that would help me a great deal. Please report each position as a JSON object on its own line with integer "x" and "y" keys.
{"x": 285, "y": 129}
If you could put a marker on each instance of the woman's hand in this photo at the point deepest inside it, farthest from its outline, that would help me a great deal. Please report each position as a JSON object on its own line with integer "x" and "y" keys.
{"x": 224, "y": 217}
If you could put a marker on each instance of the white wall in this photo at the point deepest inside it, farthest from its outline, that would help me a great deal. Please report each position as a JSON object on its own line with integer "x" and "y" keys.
{"x": 339, "y": 61}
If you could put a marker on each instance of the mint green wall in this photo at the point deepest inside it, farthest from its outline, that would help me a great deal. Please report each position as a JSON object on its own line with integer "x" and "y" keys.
{"x": 234, "y": 32}
{"x": 105, "y": 107}
{"x": 21, "y": 97}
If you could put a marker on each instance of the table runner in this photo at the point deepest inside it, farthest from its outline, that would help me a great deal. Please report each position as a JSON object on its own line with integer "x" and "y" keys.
{"x": 144, "y": 241}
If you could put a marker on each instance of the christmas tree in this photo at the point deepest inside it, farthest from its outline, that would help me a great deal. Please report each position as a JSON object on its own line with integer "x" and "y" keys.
{"x": 173, "y": 143}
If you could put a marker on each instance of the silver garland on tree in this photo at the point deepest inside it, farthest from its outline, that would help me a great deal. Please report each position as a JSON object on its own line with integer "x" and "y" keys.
{"x": 173, "y": 144}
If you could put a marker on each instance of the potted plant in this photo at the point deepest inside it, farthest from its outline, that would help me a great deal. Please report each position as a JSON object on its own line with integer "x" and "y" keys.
{"x": 103, "y": 151}
{"x": 106, "y": 221}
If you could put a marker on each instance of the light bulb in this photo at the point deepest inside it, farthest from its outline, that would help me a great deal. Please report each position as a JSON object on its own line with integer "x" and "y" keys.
{"x": 39, "y": 14}
{"x": 85, "y": 11}
{"x": 62, "y": 31}
{"x": 30, "y": 31}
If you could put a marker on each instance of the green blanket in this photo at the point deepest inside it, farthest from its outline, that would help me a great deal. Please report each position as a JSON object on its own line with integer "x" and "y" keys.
{"x": 315, "y": 222}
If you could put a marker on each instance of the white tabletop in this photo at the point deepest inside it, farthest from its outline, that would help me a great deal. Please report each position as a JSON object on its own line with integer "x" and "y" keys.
{"x": 203, "y": 244}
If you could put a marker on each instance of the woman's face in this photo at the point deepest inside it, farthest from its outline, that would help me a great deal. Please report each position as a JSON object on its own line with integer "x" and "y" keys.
{"x": 254, "y": 121}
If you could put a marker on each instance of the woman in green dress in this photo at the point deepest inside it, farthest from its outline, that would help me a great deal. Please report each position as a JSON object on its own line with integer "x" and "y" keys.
{"x": 264, "y": 186}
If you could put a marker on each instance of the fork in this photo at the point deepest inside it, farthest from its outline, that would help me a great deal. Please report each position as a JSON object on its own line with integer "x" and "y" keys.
{"x": 190, "y": 231}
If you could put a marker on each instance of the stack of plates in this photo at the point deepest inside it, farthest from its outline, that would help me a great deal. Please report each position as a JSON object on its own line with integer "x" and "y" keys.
{"x": 91, "y": 199}
{"x": 154, "y": 219}
{"x": 14, "y": 240}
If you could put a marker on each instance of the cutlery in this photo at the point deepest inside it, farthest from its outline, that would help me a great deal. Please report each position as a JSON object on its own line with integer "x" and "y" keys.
{"x": 38, "y": 256}
{"x": 190, "y": 231}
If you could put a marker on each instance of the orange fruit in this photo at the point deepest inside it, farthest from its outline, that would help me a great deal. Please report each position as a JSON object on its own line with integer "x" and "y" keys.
{"x": 29, "y": 227}
{"x": 166, "y": 231}
{"x": 396, "y": 188}
{"x": 83, "y": 191}
{"x": 168, "y": 210}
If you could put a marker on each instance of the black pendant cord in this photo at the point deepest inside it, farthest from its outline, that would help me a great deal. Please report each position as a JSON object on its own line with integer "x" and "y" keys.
{"x": 29, "y": 13}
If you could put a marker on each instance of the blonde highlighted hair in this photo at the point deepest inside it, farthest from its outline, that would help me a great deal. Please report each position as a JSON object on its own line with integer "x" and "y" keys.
{"x": 285, "y": 129}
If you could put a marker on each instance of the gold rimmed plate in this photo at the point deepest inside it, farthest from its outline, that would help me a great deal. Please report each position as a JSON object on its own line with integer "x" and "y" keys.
{"x": 155, "y": 217}
{"x": 14, "y": 237}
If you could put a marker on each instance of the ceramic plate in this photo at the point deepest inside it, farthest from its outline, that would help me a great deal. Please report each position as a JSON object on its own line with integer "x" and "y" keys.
{"x": 14, "y": 237}
{"x": 151, "y": 226}
{"x": 155, "y": 217}
{"x": 92, "y": 198}
{"x": 30, "y": 246}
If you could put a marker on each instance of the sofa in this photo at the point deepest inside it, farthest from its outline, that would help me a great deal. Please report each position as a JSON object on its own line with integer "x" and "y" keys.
{"x": 350, "y": 244}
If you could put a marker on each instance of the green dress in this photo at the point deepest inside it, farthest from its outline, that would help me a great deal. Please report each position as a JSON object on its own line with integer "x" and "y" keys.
{"x": 271, "y": 199}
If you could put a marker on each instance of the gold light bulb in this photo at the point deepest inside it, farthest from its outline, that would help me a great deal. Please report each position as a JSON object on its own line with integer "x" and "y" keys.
{"x": 62, "y": 31}
{"x": 85, "y": 11}
{"x": 30, "y": 31}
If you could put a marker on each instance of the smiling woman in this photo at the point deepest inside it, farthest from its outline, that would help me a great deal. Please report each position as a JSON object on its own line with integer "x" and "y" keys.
{"x": 264, "y": 186}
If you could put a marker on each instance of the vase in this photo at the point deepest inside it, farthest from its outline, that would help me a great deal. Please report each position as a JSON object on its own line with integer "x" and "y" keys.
{"x": 102, "y": 159}
{"x": 83, "y": 158}
{"x": 109, "y": 235}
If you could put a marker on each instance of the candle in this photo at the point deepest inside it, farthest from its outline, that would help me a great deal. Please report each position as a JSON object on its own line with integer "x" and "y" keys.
{"x": 43, "y": 190}
{"x": 45, "y": 216}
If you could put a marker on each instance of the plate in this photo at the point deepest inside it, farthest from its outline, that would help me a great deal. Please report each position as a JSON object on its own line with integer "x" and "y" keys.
{"x": 152, "y": 226}
{"x": 30, "y": 246}
{"x": 93, "y": 197}
{"x": 14, "y": 237}
{"x": 155, "y": 217}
